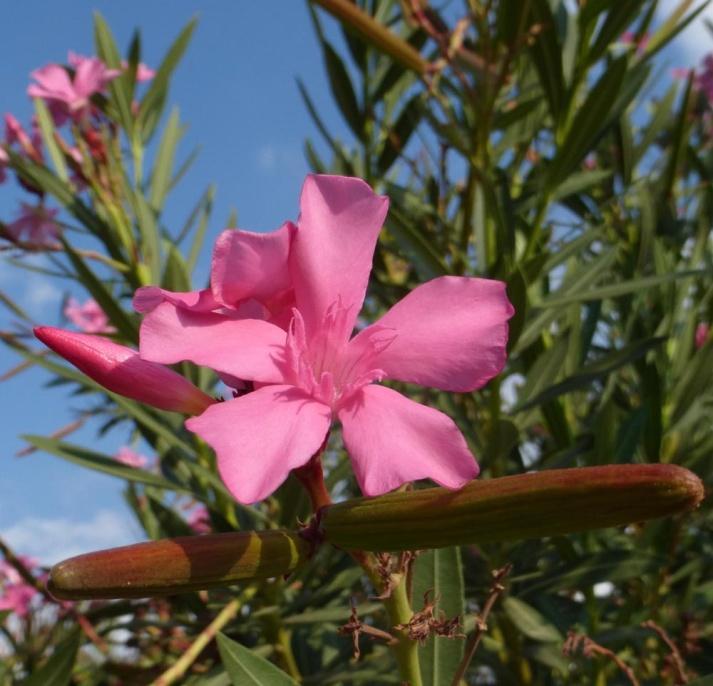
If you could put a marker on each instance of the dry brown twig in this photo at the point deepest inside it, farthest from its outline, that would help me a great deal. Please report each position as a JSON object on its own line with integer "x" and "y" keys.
{"x": 355, "y": 628}
{"x": 677, "y": 661}
{"x": 481, "y": 621}
{"x": 588, "y": 647}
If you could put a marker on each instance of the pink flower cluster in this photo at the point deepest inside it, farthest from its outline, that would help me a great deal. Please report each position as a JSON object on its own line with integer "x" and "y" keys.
{"x": 131, "y": 458}
{"x": 88, "y": 316}
{"x": 16, "y": 595}
{"x": 277, "y": 325}
{"x": 67, "y": 91}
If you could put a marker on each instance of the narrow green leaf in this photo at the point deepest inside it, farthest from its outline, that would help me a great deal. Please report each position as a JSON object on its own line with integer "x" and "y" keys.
{"x": 580, "y": 182}
{"x": 592, "y": 119}
{"x": 57, "y": 671}
{"x": 530, "y": 622}
{"x": 623, "y": 288}
{"x": 547, "y": 55}
{"x": 319, "y": 123}
{"x": 619, "y": 16}
{"x": 439, "y": 573}
{"x": 47, "y": 130}
{"x": 90, "y": 459}
{"x": 343, "y": 90}
{"x": 205, "y": 212}
{"x": 163, "y": 166}
{"x": 398, "y": 135}
{"x": 120, "y": 92}
{"x": 151, "y": 106}
{"x": 248, "y": 669}
{"x": 149, "y": 231}
{"x": 596, "y": 370}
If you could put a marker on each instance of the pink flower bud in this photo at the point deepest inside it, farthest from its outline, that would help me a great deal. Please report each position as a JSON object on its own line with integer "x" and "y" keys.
{"x": 121, "y": 370}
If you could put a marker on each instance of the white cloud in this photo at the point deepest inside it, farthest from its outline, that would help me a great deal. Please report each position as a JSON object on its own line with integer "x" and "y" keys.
{"x": 282, "y": 157}
{"x": 267, "y": 158}
{"x": 52, "y": 540}
{"x": 40, "y": 292}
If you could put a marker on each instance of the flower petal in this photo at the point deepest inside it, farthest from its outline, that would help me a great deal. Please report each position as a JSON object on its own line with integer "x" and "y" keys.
{"x": 261, "y": 436}
{"x": 148, "y": 298}
{"x": 121, "y": 370}
{"x": 450, "y": 333}
{"x": 248, "y": 349}
{"x": 333, "y": 248}
{"x": 392, "y": 440}
{"x": 251, "y": 265}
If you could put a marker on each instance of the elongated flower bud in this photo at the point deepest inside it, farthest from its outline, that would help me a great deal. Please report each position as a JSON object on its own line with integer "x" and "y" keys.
{"x": 548, "y": 503}
{"x": 121, "y": 370}
{"x": 178, "y": 565}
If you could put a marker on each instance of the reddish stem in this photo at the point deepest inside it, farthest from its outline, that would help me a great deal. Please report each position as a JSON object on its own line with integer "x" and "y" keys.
{"x": 311, "y": 477}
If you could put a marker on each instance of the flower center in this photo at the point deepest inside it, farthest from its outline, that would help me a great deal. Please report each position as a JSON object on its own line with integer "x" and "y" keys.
{"x": 326, "y": 364}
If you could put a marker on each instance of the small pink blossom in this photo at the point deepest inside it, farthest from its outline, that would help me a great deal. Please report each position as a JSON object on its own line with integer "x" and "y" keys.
{"x": 121, "y": 370}
{"x": 681, "y": 72}
{"x": 199, "y": 520}
{"x": 30, "y": 145}
{"x": 4, "y": 161}
{"x": 36, "y": 226}
{"x": 16, "y": 594}
{"x": 704, "y": 78}
{"x": 702, "y": 331}
{"x": 131, "y": 458}
{"x": 143, "y": 73}
{"x": 630, "y": 38}
{"x": 17, "y": 598}
{"x": 69, "y": 96}
{"x": 88, "y": 316}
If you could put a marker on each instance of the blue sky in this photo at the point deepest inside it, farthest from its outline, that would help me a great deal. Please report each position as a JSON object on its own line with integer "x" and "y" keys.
{"x": 236, "y": 90}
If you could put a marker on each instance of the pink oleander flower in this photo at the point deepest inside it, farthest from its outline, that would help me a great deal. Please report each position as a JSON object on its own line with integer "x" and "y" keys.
{"x": 122, "y": 371}
{"x": 36, "y": 225}
{"x": 69, "y": 96}
{"x": 131, "y": 458}
{"x": 143, "y": 73}
{"x": 16, "y": 594}
{"x": 88, "y": 316}
{"x": 199, "y": 520}
{"x": 17, "y": 598}
{"x": 702, "y": 331}
{"x": 259, "y": 289}
{"x": 704, "y": 77}
{"x": 630, "y": 38}
{"x": 30, "y": 145}
{"x": 449, "y": 333}
{"x": 278, "y": 318}
{"x": 4, "y": 161}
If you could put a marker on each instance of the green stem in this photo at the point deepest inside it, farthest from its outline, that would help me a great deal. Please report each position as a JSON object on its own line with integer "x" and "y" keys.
{"x": 397, "y": 602}
{"x": 183, "y": 664}
{"x": 405, "y": 649}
